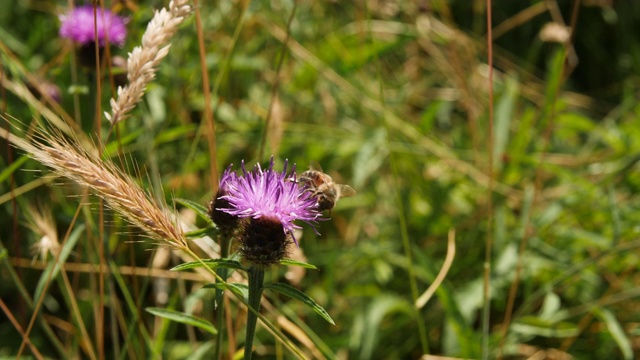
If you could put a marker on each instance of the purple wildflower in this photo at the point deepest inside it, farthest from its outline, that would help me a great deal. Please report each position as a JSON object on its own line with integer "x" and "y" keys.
{"x": 269, "y": 195}
{"x": 228, "y": 177}
{"x": 78, "y": 26}
{"x": 226, "y": 222}
{"x": 42, "y": 87}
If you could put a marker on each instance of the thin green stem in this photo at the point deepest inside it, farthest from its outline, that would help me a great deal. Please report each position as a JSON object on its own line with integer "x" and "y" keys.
{"x": 274, "y": 330}
{"x": 256, "y": 282}
{"x": 222, "y": 273}
{"x": 486, "y": 298}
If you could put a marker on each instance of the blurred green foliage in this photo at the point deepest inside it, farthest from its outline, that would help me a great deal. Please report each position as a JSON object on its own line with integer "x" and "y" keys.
{"x": 391, "y": 98}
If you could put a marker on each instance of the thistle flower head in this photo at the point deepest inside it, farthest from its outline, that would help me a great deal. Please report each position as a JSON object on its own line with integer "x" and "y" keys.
{"x": 78, "y": 26}
{"x": 228, "y": 177}
{"x": 266, "y": 203}
{"x": 226, "y": 222}
{"x": 272, "y": 195}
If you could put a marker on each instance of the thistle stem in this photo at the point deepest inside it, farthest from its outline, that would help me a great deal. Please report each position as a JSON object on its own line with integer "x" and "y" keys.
{"x": 256, "y": 281}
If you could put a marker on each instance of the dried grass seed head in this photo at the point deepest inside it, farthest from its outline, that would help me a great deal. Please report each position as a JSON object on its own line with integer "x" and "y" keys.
{"x": 119, "y": 191}
{"x": 144, "y": 59}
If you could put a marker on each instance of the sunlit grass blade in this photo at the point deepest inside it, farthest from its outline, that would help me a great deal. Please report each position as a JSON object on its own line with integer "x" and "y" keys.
{"x": 196, "y": 234}
{"x": 211, "y": 263}
{"x": 617, "y": 332}
{"x": 296, "y": 294}
{"x": 4, "y": 175}
{"x": 535, "y": 326}
{"x": 291, "y": 262}
{"x": 503, "y": 121}
{"x": 366, "y": 334}
{"x": 134, "y": 316}
{"x": 183, "y": 318}
{"x": 201, "y": 211}
{"x": 53, "y": 268}
{"x": 238, "y": 289}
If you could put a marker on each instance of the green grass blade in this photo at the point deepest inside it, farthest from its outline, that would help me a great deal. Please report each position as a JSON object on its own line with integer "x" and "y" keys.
{"x": 503, "y": 118}
{"x": 54, "y": 266}
{"x": 183, "y": 318}
{"x": 207, "y": 231}
{"x": 241, "y": 290}
{"x": 4, "y": 175}
{"x": 535, "y": 326}
{"x": 294, "y": 293}
{"x": 291, "y": 262}
{"x": 135, "y": 314}
{"x": 200, "y": 210}
{"x": 616, "y": 331}
{"x": 211, "y": 263}
{"x": 366, "y": 337}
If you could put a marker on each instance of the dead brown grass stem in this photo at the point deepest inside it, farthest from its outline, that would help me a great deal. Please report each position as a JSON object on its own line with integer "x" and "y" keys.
{"x": 208, "y": 111}
{"x": 122, "y": 269}
{"x": 17, "y": 326}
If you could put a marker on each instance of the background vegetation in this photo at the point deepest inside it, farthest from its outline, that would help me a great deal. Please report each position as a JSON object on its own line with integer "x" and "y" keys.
{"x": 391, "y": 97}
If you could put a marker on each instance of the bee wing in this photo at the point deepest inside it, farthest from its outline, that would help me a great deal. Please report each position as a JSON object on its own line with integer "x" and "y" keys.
{"x": 346, "y": 190}
{"x": 314, "y": 165}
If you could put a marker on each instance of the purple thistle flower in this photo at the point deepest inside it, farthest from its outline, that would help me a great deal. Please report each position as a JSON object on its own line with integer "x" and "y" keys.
{"x": 269, "y": 195}
{"x": 228, "y": 177}
{"x": 226, "y": 223}
{"x": 78, "y": 26}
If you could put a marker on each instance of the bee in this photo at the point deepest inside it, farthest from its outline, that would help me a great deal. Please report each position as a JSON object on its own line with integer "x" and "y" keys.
{"x": 323, "y": 188}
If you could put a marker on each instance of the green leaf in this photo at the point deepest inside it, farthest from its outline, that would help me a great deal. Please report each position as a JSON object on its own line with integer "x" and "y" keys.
{"x": 200, "y": 210}
{"x": 53, "y": 268}
{"x": 370, "y": 156}
{"x": 15, "y": 165}
{"x": 616, "y": 331}
{"x": 555, "y": 67}
{"x": 581, "y": 235}
{"x": 132, "y": 320}
{"x": 291, "y": 262}
{"x": 236, "y": 288}
{"x": 503, "y": 117}
{"x": 183, "y": 318}
{"x": 534, "y": 326}
{"x": 203, "y": 351}
{"x": 78, "y": 89}
{"x": 172, "y": 134}
{"x": 365, "y": 333}
{"x": 114, "y": 146}
{"x": 550, "y": 306}
{"x": 294, "y": 293}
{"x": 211, "y": 263}
{"x": 195, "y": 234}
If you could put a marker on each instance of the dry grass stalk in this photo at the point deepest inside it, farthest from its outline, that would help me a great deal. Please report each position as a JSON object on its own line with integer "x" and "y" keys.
{"x": 143, "y": 60}
{"x": 120, "y": 192}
